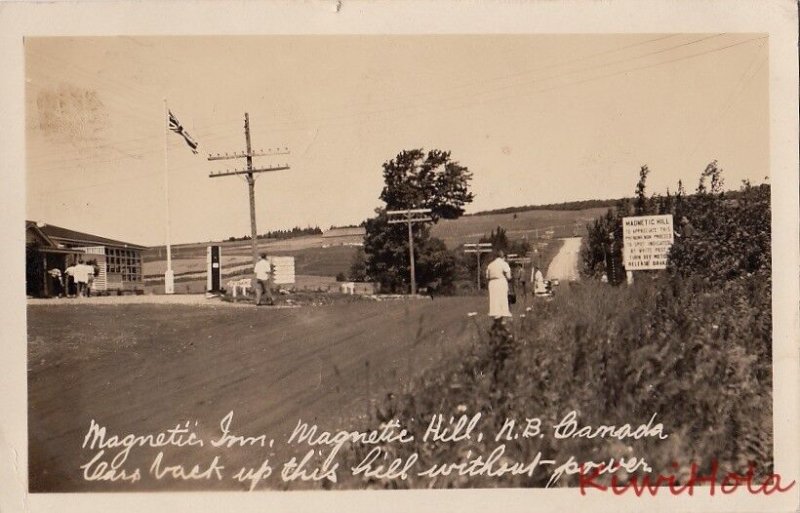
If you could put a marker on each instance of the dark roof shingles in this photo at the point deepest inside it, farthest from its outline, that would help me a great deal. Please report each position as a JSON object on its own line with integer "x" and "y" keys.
{"x": 58, "y": 232}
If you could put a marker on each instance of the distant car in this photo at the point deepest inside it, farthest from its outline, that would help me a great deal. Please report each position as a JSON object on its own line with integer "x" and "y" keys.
{"x": 545, "y": 291}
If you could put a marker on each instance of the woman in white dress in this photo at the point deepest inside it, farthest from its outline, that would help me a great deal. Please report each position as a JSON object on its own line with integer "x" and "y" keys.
{"x": 498, "y": 272}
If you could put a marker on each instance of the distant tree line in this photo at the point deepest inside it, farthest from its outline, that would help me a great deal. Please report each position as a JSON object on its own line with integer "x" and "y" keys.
{"x": 573, "y": 205}
{"x": 282, "y": 234}
{"x": 359, "y": 225}
{"x": 567, "y": 205}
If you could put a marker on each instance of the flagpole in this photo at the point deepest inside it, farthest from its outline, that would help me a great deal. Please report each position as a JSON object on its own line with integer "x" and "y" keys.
{"x": 169, "y": 276}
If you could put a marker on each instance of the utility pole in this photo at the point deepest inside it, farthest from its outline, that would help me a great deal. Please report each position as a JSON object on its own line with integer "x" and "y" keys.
{"x": 478, "y": 248}
{"x": 249, "y": 174}
{"x": 169, "y": 275}
{"x": 407, "y": 216}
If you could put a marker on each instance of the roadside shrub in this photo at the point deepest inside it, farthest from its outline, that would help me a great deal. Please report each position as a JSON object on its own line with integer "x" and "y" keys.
{"x": 691, "y": 345}
{"x": 732, "y": 235}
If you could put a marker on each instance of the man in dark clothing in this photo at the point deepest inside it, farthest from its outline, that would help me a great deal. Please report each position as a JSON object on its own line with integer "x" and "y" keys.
{"x": 687, "y": 230}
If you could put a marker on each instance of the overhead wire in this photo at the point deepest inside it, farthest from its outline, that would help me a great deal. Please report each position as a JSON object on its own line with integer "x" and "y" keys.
{"x": 134, "y": 153}
{"x": 140, "y": 154}
{"x": 442, "y": 109}
{"x": 741, "y": 86}
{"x": 437, "y": 101}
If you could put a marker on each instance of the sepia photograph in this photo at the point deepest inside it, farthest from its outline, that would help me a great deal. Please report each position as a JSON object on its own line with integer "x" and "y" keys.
{"x": 384, "y": 261}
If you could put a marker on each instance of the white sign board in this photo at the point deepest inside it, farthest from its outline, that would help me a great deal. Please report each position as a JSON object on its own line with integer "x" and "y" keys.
{"x": 646, "y": 241}
{"x": 284, "y": 269}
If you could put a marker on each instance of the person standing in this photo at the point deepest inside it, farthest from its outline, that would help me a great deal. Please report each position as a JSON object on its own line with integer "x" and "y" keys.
{"x": 263, "y": 271}
{"x": 91, "y": 272}
{"x": 57, "y": 281}
{"x": 81, "y": 274}
{"x": 687, "y": 230}
{"x": 69, "y": 279}
{"x": 498, "y": 273}
{"x": 538, "y": 281}
{"x": 521, "y": 277}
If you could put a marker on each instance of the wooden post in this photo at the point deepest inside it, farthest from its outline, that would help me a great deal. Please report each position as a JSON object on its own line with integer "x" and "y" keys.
{"x": 411, "y": 256}
{"x": 409, "y": 218}
{"x": 249, "y": 173}
{"x": 251, "y": 189}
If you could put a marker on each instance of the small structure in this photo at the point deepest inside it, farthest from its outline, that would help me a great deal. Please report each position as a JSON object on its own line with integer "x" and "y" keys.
{"x": 244, "y": 285}
{"x": 282, "y": 269}
{"x": 118, "y": 264}
{"x": 351, "y": 236}
{"x": 41, "y": 255}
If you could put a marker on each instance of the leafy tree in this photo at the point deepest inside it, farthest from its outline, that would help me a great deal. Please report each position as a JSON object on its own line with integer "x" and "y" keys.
{"x": 641, "y": 206}
{"x": 358, "y": 266}
{"x": 416, "y": 179}
{"x": 467, "y": 263}
{"x": 732, "y": 238}
{"x": 498, "y": 239}
{"x": 436, "y": 265}
{"x": 713, "y": 172}
{"x": 598, "y": 251}
{"x": 731, "y": 230}
{"x": 680, "y": 195}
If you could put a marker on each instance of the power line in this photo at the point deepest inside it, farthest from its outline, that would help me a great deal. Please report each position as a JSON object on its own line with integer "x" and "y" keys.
{"x": 249, "y": 173}
{"x": 419, "y": 105}
{"x": 410, "y": 216}
{"x": 59, "y": 164}
{"x": 592, "y": 79}
{"x": 740, "y": 87}
{"x": 558, "y": 64}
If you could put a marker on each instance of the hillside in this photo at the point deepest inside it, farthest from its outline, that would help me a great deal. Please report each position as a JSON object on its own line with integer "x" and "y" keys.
{"x": 565, "y": 223}
{"x": 326, "y": 257}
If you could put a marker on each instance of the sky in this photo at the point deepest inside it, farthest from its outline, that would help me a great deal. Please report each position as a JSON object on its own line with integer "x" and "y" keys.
{"x": 536, "y": 118}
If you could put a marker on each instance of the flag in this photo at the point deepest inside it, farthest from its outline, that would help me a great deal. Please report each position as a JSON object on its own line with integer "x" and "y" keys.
{"x": 176, "y": 127}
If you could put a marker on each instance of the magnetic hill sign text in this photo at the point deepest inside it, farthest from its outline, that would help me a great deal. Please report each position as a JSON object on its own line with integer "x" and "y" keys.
{"x": 647, "y": 240}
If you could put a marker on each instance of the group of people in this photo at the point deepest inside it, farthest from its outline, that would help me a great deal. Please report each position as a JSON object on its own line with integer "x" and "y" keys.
{"x": 75, "y": 281}
{"x": 504, "y": 285}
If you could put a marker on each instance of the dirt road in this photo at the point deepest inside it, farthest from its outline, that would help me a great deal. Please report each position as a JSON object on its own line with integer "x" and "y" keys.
{"x": 565, "y": 264}
{"x": 143, "y": 369}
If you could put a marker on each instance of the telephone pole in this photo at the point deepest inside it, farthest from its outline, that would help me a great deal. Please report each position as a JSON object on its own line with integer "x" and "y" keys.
{"x": 478, "y": 249}
{"x": 407, "y": 216}
{"x": 249, "y": 174}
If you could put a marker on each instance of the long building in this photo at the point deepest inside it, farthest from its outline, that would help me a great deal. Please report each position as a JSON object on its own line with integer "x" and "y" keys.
{"x": 118, "y": 264}
{"x": 350, "y": 236}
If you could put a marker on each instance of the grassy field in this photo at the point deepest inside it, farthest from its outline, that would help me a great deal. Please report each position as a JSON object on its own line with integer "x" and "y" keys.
{"x": 316, "y": 261}
{"x": 699, "y": 361}
{"x": 145, "y": 368}
{"x": 566, "y": 223}
{"x": 312, "y": 258}
{"x": 236, "y": 248}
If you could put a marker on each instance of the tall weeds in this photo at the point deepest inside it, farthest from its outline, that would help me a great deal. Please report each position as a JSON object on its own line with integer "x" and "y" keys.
{"x": 691, "y": 345}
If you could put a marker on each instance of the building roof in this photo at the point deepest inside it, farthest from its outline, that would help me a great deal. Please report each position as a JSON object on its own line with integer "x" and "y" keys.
{"x": 358, "y": 231}
{"x": 73, "y": 238}
{"x": 39, "y": 234}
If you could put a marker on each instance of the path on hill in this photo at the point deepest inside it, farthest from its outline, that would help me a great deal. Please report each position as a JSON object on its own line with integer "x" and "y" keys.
{"x": 565, "y": 264}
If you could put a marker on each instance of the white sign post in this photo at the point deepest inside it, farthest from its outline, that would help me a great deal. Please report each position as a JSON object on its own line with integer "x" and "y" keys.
{"x": 646, "y": 241}
{"x": 283, "y": 266}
